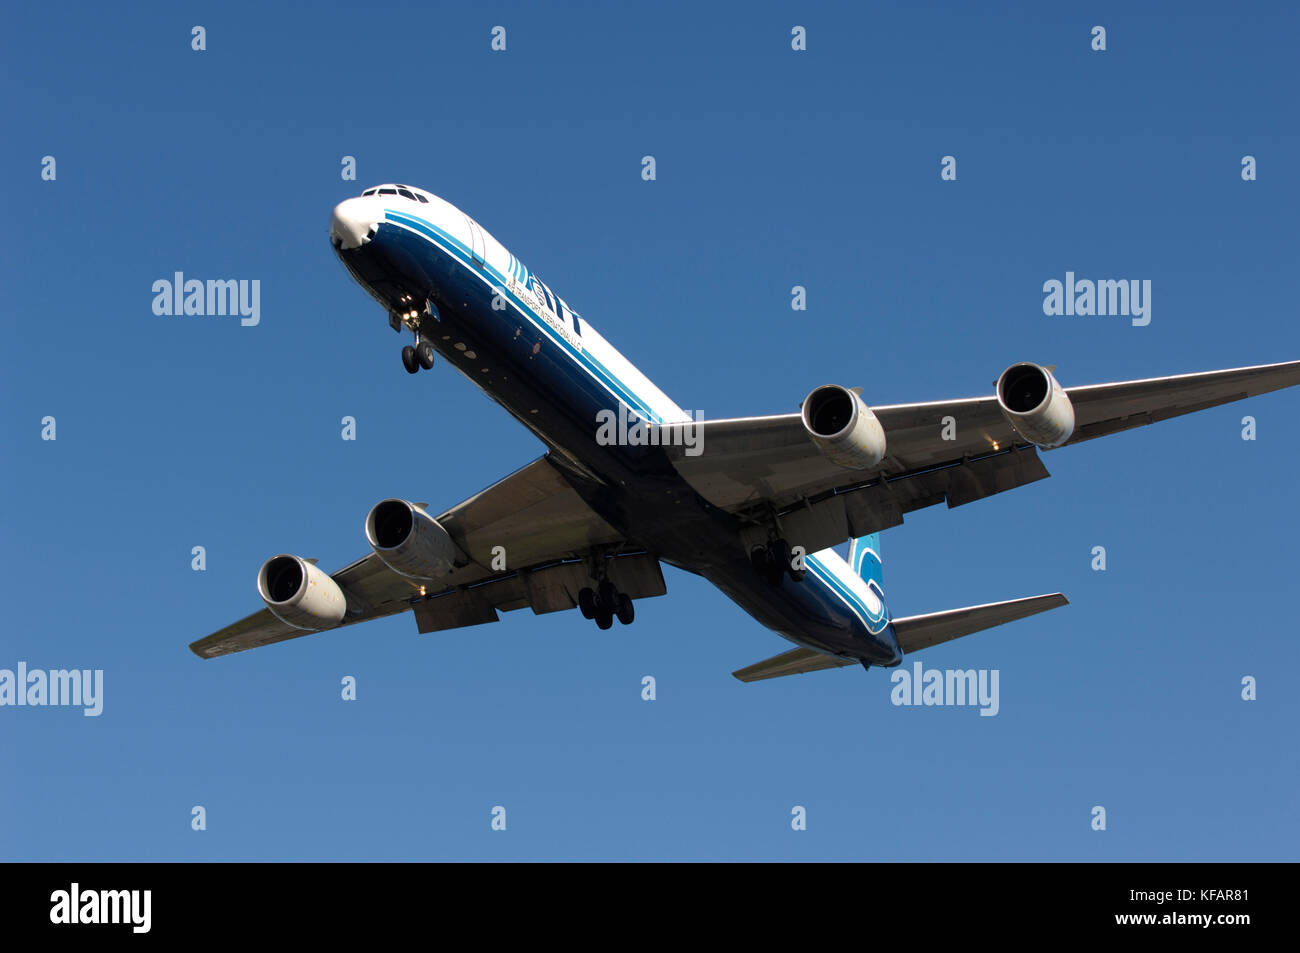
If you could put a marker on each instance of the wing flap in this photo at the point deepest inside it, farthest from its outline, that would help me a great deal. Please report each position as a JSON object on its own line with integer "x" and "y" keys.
{"x": 454, "y": 610}
{"x": 829, "y": 518}
{"x": 544, "y": 589}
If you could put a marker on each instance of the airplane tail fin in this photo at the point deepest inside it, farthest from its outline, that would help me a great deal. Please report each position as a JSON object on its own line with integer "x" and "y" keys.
{"x": 864, "y": 557}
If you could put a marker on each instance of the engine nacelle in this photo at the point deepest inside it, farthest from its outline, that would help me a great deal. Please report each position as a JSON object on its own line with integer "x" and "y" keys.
{"x": 299, "y": 594}
{"x": 410, "y": 541}
{"x": 1036, "y": 405}
{"x": 843, "y": 427}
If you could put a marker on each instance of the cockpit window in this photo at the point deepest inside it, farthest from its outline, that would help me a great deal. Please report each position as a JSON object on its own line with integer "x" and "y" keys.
{"x": 405, "y": 191}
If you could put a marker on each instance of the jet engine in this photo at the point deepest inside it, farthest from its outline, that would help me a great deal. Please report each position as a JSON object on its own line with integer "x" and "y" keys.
{"x": 1036, "y": 405}
{"x": 843, "y": 428}
{"x": 299, "y": 594}
{"x": 410, "y": 541}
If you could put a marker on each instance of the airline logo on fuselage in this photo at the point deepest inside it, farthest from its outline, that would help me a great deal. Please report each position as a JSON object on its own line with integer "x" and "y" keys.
{"x": 538, "y": 298}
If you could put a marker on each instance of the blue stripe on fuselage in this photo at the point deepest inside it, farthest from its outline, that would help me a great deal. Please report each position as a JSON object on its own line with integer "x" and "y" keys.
{"x": 582, "y": 358}
{"x": 875, "y": 623}
{"x": 872, "y": 637}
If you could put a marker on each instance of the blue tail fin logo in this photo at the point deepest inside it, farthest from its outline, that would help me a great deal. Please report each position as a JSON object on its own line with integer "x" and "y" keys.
{"x": 864, "y": 558}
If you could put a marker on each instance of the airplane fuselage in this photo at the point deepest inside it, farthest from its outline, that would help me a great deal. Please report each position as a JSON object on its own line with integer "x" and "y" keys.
{"x": 486, "y": 314}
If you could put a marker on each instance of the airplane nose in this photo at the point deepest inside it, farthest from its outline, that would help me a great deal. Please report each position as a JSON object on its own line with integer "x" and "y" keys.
{"x": 353, "y": 224}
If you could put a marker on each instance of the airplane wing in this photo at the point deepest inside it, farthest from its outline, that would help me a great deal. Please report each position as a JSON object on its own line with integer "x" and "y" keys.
{"x": 753, "y": 465}
{"x": 914, "y": 633}
{"x": 544, "y": 527}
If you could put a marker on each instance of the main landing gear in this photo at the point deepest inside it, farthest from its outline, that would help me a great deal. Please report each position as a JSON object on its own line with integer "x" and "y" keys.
{"x": 605, "y": 604}
{"x": 775, "y": 561}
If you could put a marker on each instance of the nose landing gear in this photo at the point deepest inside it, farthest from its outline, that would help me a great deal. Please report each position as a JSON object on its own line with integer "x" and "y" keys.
{"x": 414, "y": 358}
{"x": 420, "y": 354}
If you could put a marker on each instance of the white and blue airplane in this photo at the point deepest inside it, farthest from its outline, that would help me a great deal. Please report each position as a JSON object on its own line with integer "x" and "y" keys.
{"x": 755, "y": 505}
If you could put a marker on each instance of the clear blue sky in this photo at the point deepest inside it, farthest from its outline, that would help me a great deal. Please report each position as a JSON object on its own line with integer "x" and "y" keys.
{"x": 775, "y": 168}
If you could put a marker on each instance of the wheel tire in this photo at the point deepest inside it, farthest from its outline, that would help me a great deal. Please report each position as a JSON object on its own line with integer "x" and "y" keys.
{"x": 607, "y": 597}
{"x": 587, "y": 603}
{"x": 408, "y": 360}
{"x": 797, "y": 574}
{"x": 424, "y": 354}
{"x": 604, "y": 619}
{"x": 625, "y": 611}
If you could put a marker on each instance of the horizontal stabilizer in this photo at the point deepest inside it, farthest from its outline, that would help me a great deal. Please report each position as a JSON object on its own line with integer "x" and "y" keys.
{"x": 914, "y": 633}
{"x": 794, "y": 662}
{"x": 922, "y": 631}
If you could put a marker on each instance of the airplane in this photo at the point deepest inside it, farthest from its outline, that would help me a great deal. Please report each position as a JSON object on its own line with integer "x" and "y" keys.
{"x": 755, "y": 505}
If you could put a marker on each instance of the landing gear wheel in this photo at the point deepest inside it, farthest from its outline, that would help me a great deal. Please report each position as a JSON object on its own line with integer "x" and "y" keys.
{"x": 424, "y": 354}
{"x": 797, "y": 574}
{"x": 409, "y": 360}
{"x": 607, "y": 597}
{"x": 587, "y": 603}
{"x": 625, "y": 612}
{"x": 604, "y": 619}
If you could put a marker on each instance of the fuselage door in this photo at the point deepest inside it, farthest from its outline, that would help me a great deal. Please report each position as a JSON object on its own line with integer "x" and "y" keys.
{"x": 476, "y": 244}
